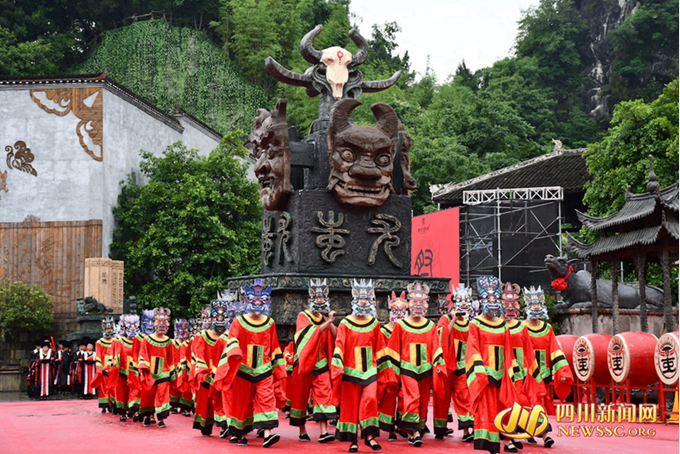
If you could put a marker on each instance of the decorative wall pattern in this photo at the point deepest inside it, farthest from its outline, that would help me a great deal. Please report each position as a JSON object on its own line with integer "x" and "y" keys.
{"x": 86, "y": 104}
{"x": 20, "y": 157}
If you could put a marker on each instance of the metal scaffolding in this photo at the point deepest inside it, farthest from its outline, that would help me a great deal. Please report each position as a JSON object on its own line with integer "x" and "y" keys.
{"x": 508, "y": 232}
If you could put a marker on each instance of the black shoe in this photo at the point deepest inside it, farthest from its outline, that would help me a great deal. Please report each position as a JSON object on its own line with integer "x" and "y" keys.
{"x": 469, "y": 438}
{"x": 425, "y": 430}
{"x": 161, "y": 424}
{"x": 147, "y": 421}
{"x": 234, "y": 439}
{"x": 224, "y": 432}
{"x": 326, "y": 438}
{"x": 510, "y": 447}
{"x": 449, "y": 431}
{"x": 103, "y": 411}
{"x": 401, "y": 433}
{"x": 305, "y": 437}
{"x": 439, "y": 437}
{"x": 531, "y": 441}
{"x": 392, "y": 437}
{"x": 548, "y": 442}
{"x": 518, "y": 444}
{"x": 416, "y": 441}
{"x": 271, "y": 440}
{"x": 135, "y": 418}
{"x": 333, "y": 422}
{"x": 353, "y": 447}
{"x": 123, "y": 418}
{"x": 243, "y": 442}
{"x": 372, "y": 444}
{"x": 260, "y": 433}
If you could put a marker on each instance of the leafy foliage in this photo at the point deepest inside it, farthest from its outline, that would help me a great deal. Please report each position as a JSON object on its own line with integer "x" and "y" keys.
{"x": 167, "y": 65}
{"x": 25, "y": 58}
{"x": 195, "y": 223}
{"x": 24, "y": 308}
{"x": 621, "y": 158}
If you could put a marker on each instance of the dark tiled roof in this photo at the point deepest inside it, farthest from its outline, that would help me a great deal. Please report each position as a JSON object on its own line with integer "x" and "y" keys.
{"x": 565, "y": 168}
{"x": 637, "y": 206}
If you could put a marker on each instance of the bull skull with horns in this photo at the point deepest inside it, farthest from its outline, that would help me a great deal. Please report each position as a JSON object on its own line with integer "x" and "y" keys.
{"x": 334, "y": 71}
{"x": 362, "y": 157}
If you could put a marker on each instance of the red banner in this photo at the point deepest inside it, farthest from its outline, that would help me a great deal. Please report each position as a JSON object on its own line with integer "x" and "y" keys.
{"x": 435, "y": 248}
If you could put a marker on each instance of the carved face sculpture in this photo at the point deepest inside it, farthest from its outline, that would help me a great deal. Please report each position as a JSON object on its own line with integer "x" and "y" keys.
{"x": 462, "y": 301}
{"x": 181, "y": 330}
{"x": 409, "y": 183}
{"x": 363, "y": 298}
{"x": 319, "y": 301}
{"x": 490, "y": 295}
{"x": 361, "y": 157}
{"x": 418, "y": 297}
{"x": 511, "y": 298}
{"x": 218, "y": 315}
{"x": 269, "y": 145}
{"x": 534, "y": 303}
{"x": 336, "y": 60}
{"x": 108, "y": 327}
{"x": 147, "y": 322}
{"x": 129, "y": 325}
{"x": 258, "y": 298}
{"x": 161, "y": 320}
{"x": 398, "y": 306}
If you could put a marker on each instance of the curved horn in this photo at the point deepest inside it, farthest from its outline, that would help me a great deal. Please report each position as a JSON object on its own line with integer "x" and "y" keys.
{"x": 340, "y": 114}
{"x": 307, "y": 46}
{"x": 386, "y": 119}
{"x": 374, "y": 86}
{"x": 280, "y": 108}
{"x": 286, "y": 76}
{"x": 362, "y": 48}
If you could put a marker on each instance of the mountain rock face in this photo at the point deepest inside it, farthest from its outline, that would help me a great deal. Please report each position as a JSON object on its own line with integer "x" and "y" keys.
{"x": 633, "y": 50}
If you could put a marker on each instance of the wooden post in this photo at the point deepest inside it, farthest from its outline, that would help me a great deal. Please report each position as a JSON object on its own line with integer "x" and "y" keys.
{"x": 593, "y": 293}
{"x": 613, "y": 267}
{"x": 667, "y": 308}
{"x": 641, "y": 269}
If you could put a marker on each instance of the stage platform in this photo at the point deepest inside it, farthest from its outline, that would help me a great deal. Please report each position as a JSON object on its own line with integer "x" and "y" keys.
{"x": 76, "y": 426}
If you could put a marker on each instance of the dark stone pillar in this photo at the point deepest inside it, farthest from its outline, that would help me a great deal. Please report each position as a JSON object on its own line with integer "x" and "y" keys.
{"x": 593, "y": 293}
{"x": 641, "y": 269}
{"x": 613, "y": 267}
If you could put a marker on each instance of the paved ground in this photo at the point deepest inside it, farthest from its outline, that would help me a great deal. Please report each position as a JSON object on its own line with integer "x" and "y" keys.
{"x": 76, "y": 426}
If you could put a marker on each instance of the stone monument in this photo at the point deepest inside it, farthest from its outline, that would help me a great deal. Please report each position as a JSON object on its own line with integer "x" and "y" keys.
{"x": 336, "y": 205}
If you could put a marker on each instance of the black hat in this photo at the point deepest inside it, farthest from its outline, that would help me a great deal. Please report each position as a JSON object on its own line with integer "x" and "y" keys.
{"x": 45, "y": 343}
{"x": 82, "y": 343}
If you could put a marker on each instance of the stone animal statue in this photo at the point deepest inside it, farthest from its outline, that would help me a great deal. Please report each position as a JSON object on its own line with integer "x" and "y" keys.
{"x": 577, "y": 292}
{"x": 90, "y": 304}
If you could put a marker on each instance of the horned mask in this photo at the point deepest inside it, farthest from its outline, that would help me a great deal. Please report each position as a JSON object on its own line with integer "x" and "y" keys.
{"x": 418, "y": 297}
{"x": 161, "y": 320}
{"x": 511, "y": 299}
{"x": 318, "y": 296}
{"x": 462, "y": 301}
{"x": 534, "y": 303}
{"x": 490, "y": 295}
{"x": 398, "y": 306}
{"x": 147, "y": 322}
{"x": 257, "y": 298}
{"x": 363, "y": 298}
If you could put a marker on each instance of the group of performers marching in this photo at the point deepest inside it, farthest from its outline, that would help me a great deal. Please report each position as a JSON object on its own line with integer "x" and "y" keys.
{"x": 228, "y": 369}
{"x": 56, "y": 370}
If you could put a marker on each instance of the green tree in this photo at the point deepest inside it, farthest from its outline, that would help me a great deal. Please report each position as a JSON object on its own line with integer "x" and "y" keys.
{"x": 26, "y": 58}
{"x": 621, "y": 157}
{"x": 194, "y": 224}
{"x": 23, "y": 308}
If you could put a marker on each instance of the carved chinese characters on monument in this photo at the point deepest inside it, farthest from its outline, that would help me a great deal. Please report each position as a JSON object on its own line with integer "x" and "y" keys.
{"x": 86, "y": 104}
{"x": 361, "y": 157}
{"x": 388, "y": 225}
{"x": 330, "y": 239}
{"x": 270, "y": 146}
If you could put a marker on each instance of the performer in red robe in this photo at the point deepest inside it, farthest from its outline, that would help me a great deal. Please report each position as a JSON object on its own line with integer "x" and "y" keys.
{"x": 207, "y": 350}
{"x": 387, "y": 402}
{"x": 552, "y": 364}
{"x": 126, "y": 390}
{"x": 415, "y": 352}
{"x": 45, "y": 370}
{"x": 358, "y": 358}
{"x": 89, "y": 360}
{"x": 157, "y": 367}
{"x": 251, "y": 363}
{"x": 314, "y": 342}
{"x": 488, "y": 365}
{"x": 104, "y": 363}
{"x": 181, "y": 373}
{"x": 146, "y": 405}
{"x": 453, "y": 333}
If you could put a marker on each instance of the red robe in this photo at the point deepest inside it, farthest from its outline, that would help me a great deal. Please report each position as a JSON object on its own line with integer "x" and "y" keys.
{"x": 206, "y": 353}
{"x": 387, "y": 400}
{"x": 525, "y": 364}
{"x": 45, "y": 369}
{"x": 552, "y": 366}
{"x": 126, "y": 390}
{"x": 104, "y": 363}
{"x": 489, "y": 369}
{"x": 251, "y": 362}
{"x": 157, "y": 369}
{"x": 415, "y": 351}
{"x": 358, "y": 359}
{"x": 311, "y": 373}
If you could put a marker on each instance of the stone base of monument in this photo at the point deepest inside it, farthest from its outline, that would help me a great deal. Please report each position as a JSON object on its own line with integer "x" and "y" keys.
{"x": 290, "y": 295}
{"x": 579, "y": 321}
{"x": 89, "y": 327}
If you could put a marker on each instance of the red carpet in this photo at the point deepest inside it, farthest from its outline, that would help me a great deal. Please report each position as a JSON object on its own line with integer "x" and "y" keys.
{"x": 75, "y": 426}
